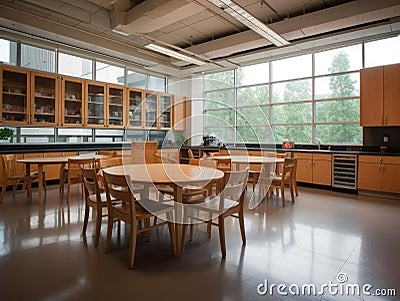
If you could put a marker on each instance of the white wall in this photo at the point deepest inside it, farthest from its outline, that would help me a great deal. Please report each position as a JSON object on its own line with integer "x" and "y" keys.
{"x": 192, "y": 88}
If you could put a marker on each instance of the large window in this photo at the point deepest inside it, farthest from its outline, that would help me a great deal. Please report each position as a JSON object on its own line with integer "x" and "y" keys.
{"x": 8, "y": 52}
{"x": 308, "y": 97}
{"x": 382, "y": 52}
{"x": 156, "y": 83}
{"x": 75, "y": 66}
{"x": 136, "y": 80}
{"x": 109, "y": 73}
{"x": 38, "y": 58}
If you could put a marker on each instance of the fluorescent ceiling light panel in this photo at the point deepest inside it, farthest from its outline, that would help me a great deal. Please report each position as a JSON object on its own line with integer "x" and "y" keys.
{"x": 243, "y": 16}
{"x": 174, "y": 54}
{"x": 120, "y": 31}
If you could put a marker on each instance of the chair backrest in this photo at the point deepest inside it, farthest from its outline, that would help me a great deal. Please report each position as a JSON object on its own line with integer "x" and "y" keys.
{"x": 235, "y": 184}
{"x": 190, "y": 152}
{"x": 143, "y": 152}
{"x": 289, "y": 168}
{"x": 75, "y": 166}
{"x": 90, "y": 182}
{"x": 224, "y": 164}
{"x": 118, "y": 187}
{"x": 8, "y": 167}
{"x": 206, "y": 162}
{"x": 110, "y": 161}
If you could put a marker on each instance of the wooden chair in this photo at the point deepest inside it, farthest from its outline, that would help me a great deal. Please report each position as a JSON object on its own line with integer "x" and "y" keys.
{"x": 95, "y": 198}
{"x": 73, "y": 174}
{"x": 143, "y": 152}
{"x": 229, "y": 202}
{"x": 285, "y": 178}
{"x": 9, "y": 176}
{"x": 118, "y": 187}
{"x": 223, "y": 164}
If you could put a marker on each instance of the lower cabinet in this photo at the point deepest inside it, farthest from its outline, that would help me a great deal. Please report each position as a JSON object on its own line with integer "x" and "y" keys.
{"x": 379, "y": 173}
{"x": 314, "y": 168}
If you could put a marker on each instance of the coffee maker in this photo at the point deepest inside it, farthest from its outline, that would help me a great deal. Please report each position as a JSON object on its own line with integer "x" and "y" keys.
{"x": 209, "y": 140}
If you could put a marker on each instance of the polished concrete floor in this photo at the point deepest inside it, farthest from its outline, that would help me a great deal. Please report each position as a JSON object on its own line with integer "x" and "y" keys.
{"x": 43, "y": 256}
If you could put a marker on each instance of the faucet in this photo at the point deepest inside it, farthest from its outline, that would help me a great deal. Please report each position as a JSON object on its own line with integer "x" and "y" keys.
{"x": 318, "y": 143}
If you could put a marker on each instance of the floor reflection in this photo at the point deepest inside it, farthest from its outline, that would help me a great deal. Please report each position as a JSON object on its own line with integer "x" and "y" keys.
{"x": 311, "y": 241}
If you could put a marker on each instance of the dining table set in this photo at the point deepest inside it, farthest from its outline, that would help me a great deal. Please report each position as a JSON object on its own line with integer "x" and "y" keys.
{"x": 175, "y": 175}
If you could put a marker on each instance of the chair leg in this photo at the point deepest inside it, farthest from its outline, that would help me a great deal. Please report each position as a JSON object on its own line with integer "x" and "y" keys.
{"x": 44, "y": 183}
{"x": 191, "y": 232}
{"x": 3, "y": 193}
{"x": 283, "y": 194}
{"x": 132, "y": 244}
{"x": 172, "y": 236}
{"x": 14, "y": 189}
{"x": 184, "y": 228}
{"x": 221, "y": 226}
{"x": 209, "y": 224}
{"x": 241, "y": 224}
{"x": 68, "y": 194}
{"x": 171, "y": 229}
{"x": 85, "y": 219}
{"x": 109, "y": 231}
{"x": 295, "y": 188}
{"x": 98, "y": 227}
{"x": 291, "y": 191}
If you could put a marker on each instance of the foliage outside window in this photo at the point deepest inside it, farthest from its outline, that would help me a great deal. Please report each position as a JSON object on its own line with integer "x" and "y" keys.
{"x": 299, "y": 106}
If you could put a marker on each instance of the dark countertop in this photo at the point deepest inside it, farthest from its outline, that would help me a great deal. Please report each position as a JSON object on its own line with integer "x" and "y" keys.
{"x": 358, "y": 150}
{"x": 7, "y": 148}
{"x": 96, "y": 146}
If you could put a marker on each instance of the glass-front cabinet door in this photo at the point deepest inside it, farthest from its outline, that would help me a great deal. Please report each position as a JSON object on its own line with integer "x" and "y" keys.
{"x": 15, "y": 94}
{"x": 135, "y": 108}
{"x": 44, "y": 106}
{"x": 72, "y": 95}
{"x": 115, "y": 104}
{"x": 165, "y": 111}
{"x": 95, "y": 103}
{"x": 151, "y": 110}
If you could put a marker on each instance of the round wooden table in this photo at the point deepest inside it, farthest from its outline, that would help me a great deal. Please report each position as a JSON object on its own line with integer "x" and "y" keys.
{"x": 41, "y": 161}
{"x": 268, "y": 164}
{"x": 176, "y": 175}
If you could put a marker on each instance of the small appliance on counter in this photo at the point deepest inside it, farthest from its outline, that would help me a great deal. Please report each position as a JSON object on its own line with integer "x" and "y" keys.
{"x": 209, "y": 140}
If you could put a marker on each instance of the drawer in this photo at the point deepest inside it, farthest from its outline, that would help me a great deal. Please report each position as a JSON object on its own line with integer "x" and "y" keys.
{"x": 302, "y": 156}
{"x": 369, "y": 159}
{"x": 326, "y": 157}
{"x": 391, "y": 160}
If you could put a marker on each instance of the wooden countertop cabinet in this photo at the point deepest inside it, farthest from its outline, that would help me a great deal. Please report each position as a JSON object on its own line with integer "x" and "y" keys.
{"x": 379, "y": 173}
{"x": 314, "y": 168}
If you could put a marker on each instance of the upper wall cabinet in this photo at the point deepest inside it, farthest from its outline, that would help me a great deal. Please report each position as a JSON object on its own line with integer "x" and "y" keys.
{"x": 15, "y": 95}
{"x": 45, "y": 99}
{"x": 179, "y": 113}
{"x": 96, "y": 95}
{"x": 29, "y": 98}
{"x": 135, "y": 108}
{"x": 165, "y": 114}
{"x": 72, "y": 96}
{"x": 115, "y": 106}
{"x": 151, "y": 109}
{"x": 380, "y": 96}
